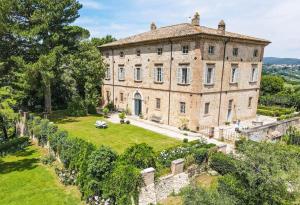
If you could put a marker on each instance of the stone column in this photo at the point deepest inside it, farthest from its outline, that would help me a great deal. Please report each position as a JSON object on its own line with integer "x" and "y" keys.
{"x": 177, "y": 166}
{"x": 148, "y": 193}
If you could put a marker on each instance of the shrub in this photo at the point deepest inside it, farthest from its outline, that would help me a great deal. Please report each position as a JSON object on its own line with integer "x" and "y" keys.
{"x": 127, "y": 122}
{"x": 56, "y": 140}
{"x": 122, "y": 116}
{"x": 185, "y": 140}
{"x": 99, "y": 165}
{"x": 140, "y": 155}
{"x": 105, "y": 112}
{"x": 222, "y": 163}
{"x": 49, "y": 159}
{"x": 110, "y": 106}
{"x": 200, "y": 155}
{"x": 13, "y": 145}
{"x": 91, "y": 108}
{"x": 123, "y": 184}
{"x": 77, "y": 107}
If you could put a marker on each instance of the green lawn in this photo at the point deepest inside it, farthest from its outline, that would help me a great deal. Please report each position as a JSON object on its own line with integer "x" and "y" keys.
{"x": 117, "y": 136}
{"x": 25, "y": 181}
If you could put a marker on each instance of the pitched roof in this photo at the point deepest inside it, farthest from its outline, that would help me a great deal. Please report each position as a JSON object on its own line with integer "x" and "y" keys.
{"x": 179, "y": 30}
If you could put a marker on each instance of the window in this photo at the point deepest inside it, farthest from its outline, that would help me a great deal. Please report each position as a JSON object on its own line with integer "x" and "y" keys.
{"x": 211, "y": 50}
{"x": 234, "y": 74}
{"x": 229, "y": 113}
{"x": 206, "y": 108}
{"x": 108, "y": 96}
{"x": 235, "y": 52}
{"x": 209, "y": 76}
{"x": 157, "y": 105}
{"x": 183, "y": 76}
{"x": 182, "y": 107}
{"x": 250, "y": 102}
{"x": 138, "y": 52}
{"x": 122, "y": 54}
{"x": 107, "y": 73}
{"x": 121, "y": 97}
{"x": 254, "y": 74}
{"x": 121, "y": 73}
{"x": 107, "y": 55}
{"x": 255, "y": 53}
{"x": 138, "y": 74}
{"x": 185, "y": 49}
{"x": 159, "y": 51}
{"x": 158, "y": 75}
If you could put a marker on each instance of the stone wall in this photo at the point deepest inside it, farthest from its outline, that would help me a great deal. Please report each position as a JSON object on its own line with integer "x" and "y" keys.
{"x": 155, "y": 191}
{"x": 270, "y": 131}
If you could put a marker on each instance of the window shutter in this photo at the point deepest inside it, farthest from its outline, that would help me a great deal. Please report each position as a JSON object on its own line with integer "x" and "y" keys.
{"x": 256, "y": 74}
{"x": 213, "y": 75}
{"x": 189, "y": 75}
{"x": 155, "y": 74}
{"x": 119, "y": 74}
{"x": 141, "y": 74}
{"x": 178, "y": 75}
{"x": 237, "y": 75}
{"x": 135, "y": 77}
{"x": 162, "y": 74}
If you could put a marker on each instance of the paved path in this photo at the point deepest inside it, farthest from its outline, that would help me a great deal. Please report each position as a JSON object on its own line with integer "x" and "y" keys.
{"x": 167, "y": 130}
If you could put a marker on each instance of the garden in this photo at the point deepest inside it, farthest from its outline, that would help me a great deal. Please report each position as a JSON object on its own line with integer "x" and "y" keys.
{"x": 117, "y": 136}
{"x": 101, "y": 173}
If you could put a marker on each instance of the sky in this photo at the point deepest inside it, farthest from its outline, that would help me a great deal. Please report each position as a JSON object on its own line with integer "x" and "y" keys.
{"x": 275, "y": 20}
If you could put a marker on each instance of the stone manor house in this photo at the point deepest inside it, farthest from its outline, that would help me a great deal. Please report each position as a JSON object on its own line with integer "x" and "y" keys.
{"x": 185, "y": 72}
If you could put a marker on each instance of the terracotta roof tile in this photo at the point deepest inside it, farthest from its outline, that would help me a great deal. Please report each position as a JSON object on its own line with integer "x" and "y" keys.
{"x": 179, "y": 30}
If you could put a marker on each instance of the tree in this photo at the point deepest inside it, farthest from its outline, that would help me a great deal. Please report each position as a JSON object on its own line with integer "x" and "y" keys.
{"x": 265, "y": 173}
{"x": 100, "y": 41}
{"x": 7, "y": 114}
{"x": 271, "y": 84}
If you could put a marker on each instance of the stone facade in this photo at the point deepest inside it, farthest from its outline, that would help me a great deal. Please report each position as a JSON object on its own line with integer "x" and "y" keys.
{"x": 204, "y": 51}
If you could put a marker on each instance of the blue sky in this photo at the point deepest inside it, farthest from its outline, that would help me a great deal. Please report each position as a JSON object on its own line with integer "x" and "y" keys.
{"x": 275, "y": 20}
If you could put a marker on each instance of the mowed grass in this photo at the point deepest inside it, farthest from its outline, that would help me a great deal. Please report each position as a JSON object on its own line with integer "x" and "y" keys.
{"x": 117, "y": 136}
{"x": 25, "y": 181}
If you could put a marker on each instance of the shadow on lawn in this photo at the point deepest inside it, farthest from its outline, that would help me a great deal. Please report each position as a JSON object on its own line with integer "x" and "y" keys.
{"x": 20, "y": 165}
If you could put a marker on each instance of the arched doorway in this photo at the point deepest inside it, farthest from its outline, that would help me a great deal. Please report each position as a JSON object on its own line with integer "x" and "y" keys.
{"x": 137, "y": 104}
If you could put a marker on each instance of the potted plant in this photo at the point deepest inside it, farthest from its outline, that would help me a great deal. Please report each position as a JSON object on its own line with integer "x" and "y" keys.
{"x": 122, "y": 117}
{"x": 105, "y": 112}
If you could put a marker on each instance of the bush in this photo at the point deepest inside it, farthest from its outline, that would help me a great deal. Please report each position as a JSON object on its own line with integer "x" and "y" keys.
{"x": 77, "y": 108}
{"x": 127, "y": 122}
{"x": 122, "y": 116}
{"x": 91, "y": 108}
{"x": 222, "y": 163}
{"x": 99, "y": 165}
{"x": 185, "y": 140}
{"x": 13, "y": 145}
{"x": 110, "y": 106}
{"x": 105, "y": 112}
{"x": 49, "y": 159}
{"x": 123, "y": 184}
{"x": 200, "y": 155}
{"x": 140, "y": 155}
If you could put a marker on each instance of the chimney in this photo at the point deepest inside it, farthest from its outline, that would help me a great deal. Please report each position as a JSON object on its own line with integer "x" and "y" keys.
{"x": 196, "y": 19}
{"x": 222, "y": 27}
{"x": 153, "y": 26}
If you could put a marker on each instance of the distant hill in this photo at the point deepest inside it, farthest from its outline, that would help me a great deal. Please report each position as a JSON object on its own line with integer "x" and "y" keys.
{"x": 288, "y": 61}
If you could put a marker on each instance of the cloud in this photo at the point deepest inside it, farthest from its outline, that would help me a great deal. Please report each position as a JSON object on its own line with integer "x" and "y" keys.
{"x": 275, "y": 20}
{"x": 92, "y": 4}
